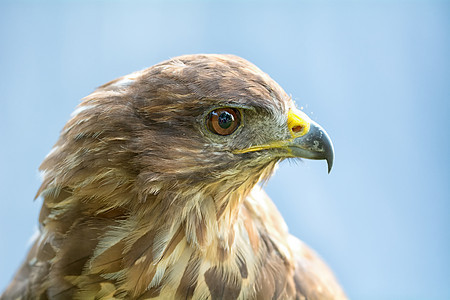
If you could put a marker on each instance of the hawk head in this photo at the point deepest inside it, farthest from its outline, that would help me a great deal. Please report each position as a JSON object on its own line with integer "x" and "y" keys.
{"x": 193, "y": 121}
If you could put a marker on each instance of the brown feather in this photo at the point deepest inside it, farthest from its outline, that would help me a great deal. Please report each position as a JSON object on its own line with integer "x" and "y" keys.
{"x": 221, "y": 288}
{"x": 188, "y": 281}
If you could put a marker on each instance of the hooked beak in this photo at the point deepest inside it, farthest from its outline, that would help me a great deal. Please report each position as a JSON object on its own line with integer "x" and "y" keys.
{"x": 316, "y": 144}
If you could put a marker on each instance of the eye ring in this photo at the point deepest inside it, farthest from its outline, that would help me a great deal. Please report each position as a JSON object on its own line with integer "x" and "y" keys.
{"x": 223, "y": 121}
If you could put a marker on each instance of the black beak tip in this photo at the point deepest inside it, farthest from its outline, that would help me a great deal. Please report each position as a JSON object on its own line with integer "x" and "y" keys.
{"x": 330, "y": 155}
{"x": 329, "y": 151}
{"x": 330, "y": 163}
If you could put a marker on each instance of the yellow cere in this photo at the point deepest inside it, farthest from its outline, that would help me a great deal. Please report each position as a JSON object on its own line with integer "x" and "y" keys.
{"x": 298, "y": 123}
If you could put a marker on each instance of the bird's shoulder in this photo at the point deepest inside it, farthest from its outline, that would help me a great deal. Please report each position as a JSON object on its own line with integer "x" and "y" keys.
{"x": 307, "y": 276}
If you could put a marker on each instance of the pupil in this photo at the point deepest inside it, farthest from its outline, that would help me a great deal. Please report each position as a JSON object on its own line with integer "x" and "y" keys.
{"x": 225, "y": 119}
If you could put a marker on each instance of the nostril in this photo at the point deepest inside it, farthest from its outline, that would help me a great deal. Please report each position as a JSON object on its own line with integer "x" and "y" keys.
{"x": 297, "y": 129}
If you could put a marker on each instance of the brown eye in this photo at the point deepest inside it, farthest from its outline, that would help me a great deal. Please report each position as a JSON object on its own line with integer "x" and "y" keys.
{"x": 224, "y": 121}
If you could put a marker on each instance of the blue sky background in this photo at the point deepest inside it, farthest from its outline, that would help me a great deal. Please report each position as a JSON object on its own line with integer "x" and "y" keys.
{"x": 375, "y": 74}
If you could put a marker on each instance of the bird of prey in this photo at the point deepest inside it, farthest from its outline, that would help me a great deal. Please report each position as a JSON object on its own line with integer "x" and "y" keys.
{"x": 151, "y": 191}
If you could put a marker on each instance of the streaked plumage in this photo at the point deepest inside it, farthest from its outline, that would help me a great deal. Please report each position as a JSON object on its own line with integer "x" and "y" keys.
{"x": 142, "y": 200}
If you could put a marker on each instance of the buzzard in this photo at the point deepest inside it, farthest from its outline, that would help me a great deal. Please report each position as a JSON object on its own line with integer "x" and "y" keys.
{"x": 152, "y": 191}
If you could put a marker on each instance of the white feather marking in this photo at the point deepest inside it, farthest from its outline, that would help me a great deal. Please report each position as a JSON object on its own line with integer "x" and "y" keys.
{"x": 34, "y": 237}
{"x": 127, "y": 80}
{"x": 160, "y": 270}
{"x": 124, "y": 82}
{"x": 53, "y": 150}
{"x": 179, "y": 261}
{"x": 42, "y": 174}
{"x": 80, "y": 109}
